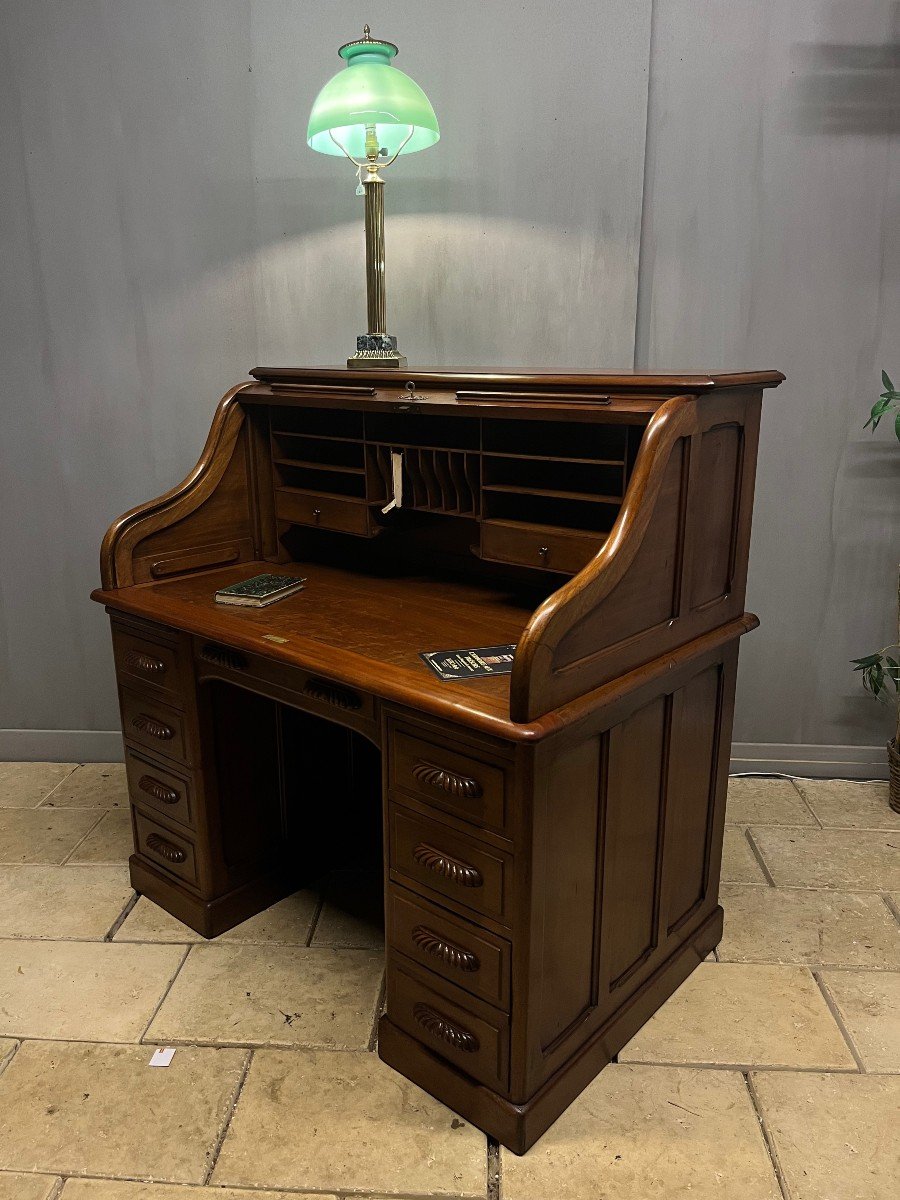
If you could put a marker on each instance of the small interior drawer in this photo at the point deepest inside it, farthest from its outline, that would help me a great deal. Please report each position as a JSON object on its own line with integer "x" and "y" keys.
{"x": 168, "y": 851}
{"x": 550, "y": 549}
{"x": 153, "y": 786}
{"x": 322, "y": 512}
{"x": 472, "y": 1036}
{"x": 149, "y": 664}
{"x": 433, "y": 856}
{"x": 464, "y": 785}
{"x": 154, "y": 725}
{"x": 461, "y": 952}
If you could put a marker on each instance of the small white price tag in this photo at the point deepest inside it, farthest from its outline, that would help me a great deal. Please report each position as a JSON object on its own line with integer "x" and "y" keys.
{"x": 162, "y": 1057}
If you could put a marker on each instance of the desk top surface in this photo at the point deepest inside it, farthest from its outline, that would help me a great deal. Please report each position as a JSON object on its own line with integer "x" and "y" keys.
{"x": 363, "y": 630}
{"x": 627, "y": 379}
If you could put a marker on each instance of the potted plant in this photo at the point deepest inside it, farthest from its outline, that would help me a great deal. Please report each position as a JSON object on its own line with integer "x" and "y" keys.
{"x": 880, "y": 672}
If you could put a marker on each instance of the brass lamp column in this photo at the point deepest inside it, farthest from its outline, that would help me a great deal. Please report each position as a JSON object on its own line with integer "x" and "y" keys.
{"x": 377, "y": 342}
{"x": 372, "y": 113}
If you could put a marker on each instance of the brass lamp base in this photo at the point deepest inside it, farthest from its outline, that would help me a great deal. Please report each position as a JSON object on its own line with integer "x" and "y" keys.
{"x": 376, "y": 350}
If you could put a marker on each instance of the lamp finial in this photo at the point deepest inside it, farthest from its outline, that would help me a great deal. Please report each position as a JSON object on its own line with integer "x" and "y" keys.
{"x": 367, "y": 37}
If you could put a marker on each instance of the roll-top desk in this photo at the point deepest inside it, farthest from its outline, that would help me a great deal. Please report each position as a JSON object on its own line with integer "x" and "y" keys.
{"x": 551, "y": 839}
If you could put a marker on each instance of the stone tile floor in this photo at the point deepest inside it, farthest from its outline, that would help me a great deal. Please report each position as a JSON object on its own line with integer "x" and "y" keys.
{"x": 773, "y": 1072}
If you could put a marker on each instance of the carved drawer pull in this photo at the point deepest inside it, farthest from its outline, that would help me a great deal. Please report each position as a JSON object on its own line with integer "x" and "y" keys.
{"x": 454, "y": 956}
{"x": 453, "y": 869}
{"x": 159, "y": 791}
{"x": 223, "y": 656}
{"x": 166, "y": 850}
{"x": 155, "y": 728}
{"x": 332, "y": 693}
{"x": 442, "y": 1027}
{"x": 134, "y": 660}
{"x": 446, "y": 781}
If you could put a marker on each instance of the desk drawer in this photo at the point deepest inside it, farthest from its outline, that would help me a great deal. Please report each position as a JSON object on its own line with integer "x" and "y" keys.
{"x": 168, "y": 851}
{"x": 153, "y": 786}
{"x": 153, "y": 725}
{"x": 148, "y": 664}
{"x": 553, "y": 550}
{"x": 472, "y": 958}
{"x": 472, "y": 1036}
{"x": 316, "y": 694}
{"x": 433, "y": 856}
{"x": 461, "y": 784}
{"x": 322, "y": 512}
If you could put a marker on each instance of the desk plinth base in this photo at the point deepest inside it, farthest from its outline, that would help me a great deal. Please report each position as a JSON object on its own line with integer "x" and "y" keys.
{"x": 518, "y": 1126}
{"x": 209, "y": 918}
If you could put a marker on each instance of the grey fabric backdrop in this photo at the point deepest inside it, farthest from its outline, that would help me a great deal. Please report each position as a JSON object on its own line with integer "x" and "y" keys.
{"x": 684, "y": 184}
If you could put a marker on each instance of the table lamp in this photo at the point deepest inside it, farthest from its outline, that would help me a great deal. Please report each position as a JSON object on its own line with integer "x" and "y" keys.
{"x": 372, "y": 113}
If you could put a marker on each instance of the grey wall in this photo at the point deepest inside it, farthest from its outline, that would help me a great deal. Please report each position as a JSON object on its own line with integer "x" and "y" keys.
{"x": 690, "y": 183}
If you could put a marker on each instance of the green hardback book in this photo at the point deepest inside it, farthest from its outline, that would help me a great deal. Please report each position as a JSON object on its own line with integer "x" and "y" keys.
{"x": 260, "y": 590}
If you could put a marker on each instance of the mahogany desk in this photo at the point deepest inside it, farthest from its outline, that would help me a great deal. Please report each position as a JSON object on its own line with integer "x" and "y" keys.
{"x": 552, "y": 839}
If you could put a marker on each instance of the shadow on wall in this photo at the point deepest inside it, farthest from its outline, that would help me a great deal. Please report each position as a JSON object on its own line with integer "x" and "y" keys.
{"x": 848, "y": 88}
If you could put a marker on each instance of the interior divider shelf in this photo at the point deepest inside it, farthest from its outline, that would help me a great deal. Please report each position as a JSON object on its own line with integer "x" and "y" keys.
{"x": 314, "y": 437}
{"x": 582, "y": 497}
{"x": 557, "y": 458}
{"x": 544, "y": 493}
{"x": 319, "y": 466}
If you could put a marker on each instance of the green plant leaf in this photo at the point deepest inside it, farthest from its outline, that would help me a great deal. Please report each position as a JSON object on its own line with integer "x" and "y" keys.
{"x": 867, "y": 661}
{"x": 897, "y": 426}
{"x": 886, "y": 380}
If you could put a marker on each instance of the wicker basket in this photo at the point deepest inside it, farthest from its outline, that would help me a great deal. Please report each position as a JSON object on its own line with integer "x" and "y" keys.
{"x": 894, "y": 789}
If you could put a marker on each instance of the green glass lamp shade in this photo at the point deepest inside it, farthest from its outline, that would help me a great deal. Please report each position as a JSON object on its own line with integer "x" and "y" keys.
{"x": 371, "y": 91}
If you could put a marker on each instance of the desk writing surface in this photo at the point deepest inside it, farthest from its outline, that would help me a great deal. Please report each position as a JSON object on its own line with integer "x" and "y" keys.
{"x": 360, "y": 629}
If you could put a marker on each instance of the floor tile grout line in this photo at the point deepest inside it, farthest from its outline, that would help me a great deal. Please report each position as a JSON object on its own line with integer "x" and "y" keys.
{"x": 204, "y": 1044}
{"x": 81, "y": 840}
{"x": 313, "y": 925}
{"x": 812, "y": 966}
{"x": 768, "y": 1140}
{"x": 189, "y": 1185}
{"x": 844, "y": 888}
{"x": 166, "y": 991}
{"x": 68, "y": 775}
{"x": 179, "y": 1043}
{"x": 757, "y": 853}
{"x": 806, "y": 804}
{"x": 757, "y": 1068}
{"x": 810, "y": 828}
{"x": 7, "y": 1059}
{"x": 379, "y": 1009}
{"x": 122, "y": 917}
{"x": 891, "y": 906}
{"x": 57, "y": 1188}
{"x": 229, "y": 1117}
{"x": 839, "y": 1020}
{"x": 493, "y": 1168}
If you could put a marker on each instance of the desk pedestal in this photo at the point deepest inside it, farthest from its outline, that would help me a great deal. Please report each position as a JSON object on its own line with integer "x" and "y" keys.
{"x": 543, "y": 897}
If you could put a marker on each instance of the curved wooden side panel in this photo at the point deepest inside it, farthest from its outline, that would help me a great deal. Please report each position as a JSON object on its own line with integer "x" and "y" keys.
{"x": 132, "y": 541}
{"x": 673, "y": 567}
